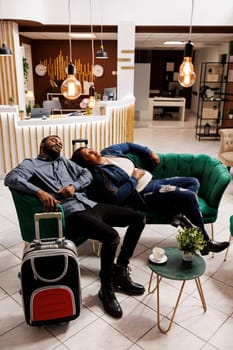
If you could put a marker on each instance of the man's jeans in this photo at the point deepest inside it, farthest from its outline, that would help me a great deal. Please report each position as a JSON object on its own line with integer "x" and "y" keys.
{"x": 175, "y": 195}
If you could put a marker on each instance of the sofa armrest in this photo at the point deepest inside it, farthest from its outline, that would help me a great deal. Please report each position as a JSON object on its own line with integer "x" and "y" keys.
{"x": 26, "y": 206}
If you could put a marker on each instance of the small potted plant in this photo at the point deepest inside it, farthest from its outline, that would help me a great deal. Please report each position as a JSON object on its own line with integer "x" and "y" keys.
{"x": 230, "y": 113}
{"x": 11, "y": 101}
{"x": 21, "y": 114}
{"x": 190, "y": 242}
{"x": 28, "y": 109}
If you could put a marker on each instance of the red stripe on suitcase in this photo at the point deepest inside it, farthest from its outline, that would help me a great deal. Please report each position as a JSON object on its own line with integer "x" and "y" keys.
{"x": 51, "y": 303}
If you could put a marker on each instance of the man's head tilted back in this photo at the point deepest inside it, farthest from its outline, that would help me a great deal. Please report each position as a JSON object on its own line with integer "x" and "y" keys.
{"x": 51, "y": 146}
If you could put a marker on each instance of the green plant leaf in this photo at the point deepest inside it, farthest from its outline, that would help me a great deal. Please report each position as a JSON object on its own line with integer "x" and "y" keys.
{"x": 191, "y": 240}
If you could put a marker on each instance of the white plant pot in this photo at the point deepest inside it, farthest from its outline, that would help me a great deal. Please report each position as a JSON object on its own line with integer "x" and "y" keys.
{"x": 187, "y": 256}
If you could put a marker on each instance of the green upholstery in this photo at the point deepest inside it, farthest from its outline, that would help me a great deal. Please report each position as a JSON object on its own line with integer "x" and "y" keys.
{"x": 211, "y": 173}
{"x": 231, "y": 225}
{"x": 26, "y": 206}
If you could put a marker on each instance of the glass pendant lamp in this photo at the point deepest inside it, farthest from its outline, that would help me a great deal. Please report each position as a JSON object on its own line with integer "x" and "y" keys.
{"x": 187, "y": 76}
{"x": 71, "y": 88}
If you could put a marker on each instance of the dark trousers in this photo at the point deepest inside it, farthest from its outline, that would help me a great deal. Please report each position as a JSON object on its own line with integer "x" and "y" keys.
{"x": 173, "y": 196}
{"x": 97, "y": 223}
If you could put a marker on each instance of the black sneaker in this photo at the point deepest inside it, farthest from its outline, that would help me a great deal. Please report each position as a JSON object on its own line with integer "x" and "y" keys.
{"x": 122, "y": 281}
{"x": 110, "y": 302}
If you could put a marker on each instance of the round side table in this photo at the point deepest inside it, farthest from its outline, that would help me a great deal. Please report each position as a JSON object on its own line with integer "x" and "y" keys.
{"x": 176, "y": 269}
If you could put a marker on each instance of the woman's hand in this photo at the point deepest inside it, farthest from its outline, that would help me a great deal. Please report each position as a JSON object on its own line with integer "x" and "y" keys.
{"x": 138, "y": 173}
{"x": 154, "y": 157}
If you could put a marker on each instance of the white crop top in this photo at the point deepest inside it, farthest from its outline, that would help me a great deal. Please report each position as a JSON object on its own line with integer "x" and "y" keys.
{"x": 128, "y": 166}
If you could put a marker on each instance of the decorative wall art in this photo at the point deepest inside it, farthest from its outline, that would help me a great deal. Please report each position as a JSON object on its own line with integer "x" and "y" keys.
{"x": 56, "y": 68}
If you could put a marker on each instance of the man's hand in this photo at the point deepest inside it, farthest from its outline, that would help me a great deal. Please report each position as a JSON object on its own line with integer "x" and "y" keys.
{"x": 48, "y": 201}
{"x": 138, "y": 173}
{"x": 154, "y": 157}
{"x": 67, "y": 191}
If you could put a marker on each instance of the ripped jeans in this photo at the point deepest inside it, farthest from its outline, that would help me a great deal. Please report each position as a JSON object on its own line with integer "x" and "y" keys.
{"x": 173, "y": 196}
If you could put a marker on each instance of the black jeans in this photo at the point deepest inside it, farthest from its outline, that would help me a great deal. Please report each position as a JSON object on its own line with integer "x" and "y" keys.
{"x": 97, "y": 223}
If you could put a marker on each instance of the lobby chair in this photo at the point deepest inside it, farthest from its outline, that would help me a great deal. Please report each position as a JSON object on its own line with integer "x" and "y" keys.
{"x": 54, "y": 106}
{"x": 225, "y": 153}
{"x": 26, "y": 206}
{"x": 230, "y": 237}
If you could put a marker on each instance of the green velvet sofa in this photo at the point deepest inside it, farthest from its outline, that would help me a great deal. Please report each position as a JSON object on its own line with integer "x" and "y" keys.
{"x": 213, "y": 176}
{"x": 211, "y": 173}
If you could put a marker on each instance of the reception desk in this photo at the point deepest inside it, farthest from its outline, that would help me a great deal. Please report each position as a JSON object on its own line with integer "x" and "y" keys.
{"x": 20, "y": 139}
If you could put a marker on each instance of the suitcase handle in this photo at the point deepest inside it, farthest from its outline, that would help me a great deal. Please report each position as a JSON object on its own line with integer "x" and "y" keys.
{"x": 37, "y": 275}
{"x": 79, "y": 141}
{"x": 85, "y": 141}
{"x": 48, "y": 215}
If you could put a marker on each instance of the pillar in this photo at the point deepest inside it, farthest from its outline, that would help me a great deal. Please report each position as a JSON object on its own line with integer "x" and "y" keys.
{"x": 125, "y": 60}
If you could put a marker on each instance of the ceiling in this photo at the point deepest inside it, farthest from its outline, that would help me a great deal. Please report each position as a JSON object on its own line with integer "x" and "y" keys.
{"x": 147, "y": 37}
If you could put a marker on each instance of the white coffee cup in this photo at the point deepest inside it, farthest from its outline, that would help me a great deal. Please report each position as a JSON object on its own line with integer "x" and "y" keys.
{"x": 158, "y": 253}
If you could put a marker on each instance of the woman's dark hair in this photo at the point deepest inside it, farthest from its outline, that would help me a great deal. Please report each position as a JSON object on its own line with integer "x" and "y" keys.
{"x": 78, "y": 158}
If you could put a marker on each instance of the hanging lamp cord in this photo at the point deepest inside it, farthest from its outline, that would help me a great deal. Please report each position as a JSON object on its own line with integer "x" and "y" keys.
{"x": 92, "y": 43}
{"x": 70, "y": 46}
{"x": 101, "y": 27}
{"x": 191, "y": 21}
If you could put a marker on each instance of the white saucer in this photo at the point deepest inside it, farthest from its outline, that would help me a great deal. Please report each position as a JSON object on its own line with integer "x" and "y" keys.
{"x": 161, "y": 261}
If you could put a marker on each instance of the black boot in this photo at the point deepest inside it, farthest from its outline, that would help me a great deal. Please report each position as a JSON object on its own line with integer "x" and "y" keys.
{"x": 215, "y": 247}
{"x": 122, "y": 281}
{"x": 182, "y": 221}
{"x": 211, "y": 246}
{"x": 109, "y": 300}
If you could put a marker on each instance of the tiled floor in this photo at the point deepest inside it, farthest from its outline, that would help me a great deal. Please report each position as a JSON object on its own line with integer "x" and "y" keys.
{"x": 137, "y": 329}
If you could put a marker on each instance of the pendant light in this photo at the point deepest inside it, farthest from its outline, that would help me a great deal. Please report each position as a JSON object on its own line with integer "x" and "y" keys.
{"x": 187, "y": 76}
{"x": 71, "y": 87}
{"x": 4, "y": 50}
{"x": 101, "y": 54}
{"x": 92, "y": 101}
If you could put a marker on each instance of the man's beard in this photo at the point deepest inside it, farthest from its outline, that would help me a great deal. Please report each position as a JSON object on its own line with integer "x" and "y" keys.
{"x": 51, "y": 152}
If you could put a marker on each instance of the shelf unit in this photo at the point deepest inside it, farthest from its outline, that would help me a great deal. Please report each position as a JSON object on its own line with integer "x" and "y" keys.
{"x": 227, "y": 121}
{"x": 213, "y": 81}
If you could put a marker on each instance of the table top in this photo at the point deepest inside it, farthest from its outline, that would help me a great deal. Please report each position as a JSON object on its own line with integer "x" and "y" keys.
{"x": 159, "y": 98}
{"x": 176, "y": 269}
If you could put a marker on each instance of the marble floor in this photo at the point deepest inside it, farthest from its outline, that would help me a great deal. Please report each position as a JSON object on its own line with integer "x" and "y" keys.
{"x": 137, "y": 329}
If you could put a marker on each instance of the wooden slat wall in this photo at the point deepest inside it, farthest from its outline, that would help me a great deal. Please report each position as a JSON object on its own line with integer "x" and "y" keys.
{"x": 8, "y": 79}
